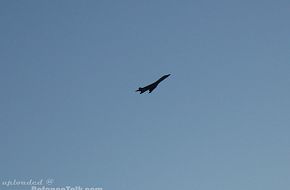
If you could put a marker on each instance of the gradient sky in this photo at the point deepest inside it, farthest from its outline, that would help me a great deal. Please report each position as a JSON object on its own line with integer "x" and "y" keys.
{"x": 69, "y": 69}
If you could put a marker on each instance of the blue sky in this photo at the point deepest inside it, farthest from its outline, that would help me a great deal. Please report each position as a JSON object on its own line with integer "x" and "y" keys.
{"x": 69, "y": 69}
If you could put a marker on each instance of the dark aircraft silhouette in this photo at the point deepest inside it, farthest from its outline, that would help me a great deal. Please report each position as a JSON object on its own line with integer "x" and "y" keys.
{"x": 152, "y": 86}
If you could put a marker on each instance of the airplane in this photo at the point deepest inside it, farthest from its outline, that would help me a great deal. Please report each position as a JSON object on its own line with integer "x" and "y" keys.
{"x": 152, "y": 86}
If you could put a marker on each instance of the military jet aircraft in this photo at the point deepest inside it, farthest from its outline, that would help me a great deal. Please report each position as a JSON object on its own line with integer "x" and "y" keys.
{"x": 152, "y": 86}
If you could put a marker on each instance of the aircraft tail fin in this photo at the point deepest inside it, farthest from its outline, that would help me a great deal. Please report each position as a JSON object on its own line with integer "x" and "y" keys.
{"x": 139, "y": 90}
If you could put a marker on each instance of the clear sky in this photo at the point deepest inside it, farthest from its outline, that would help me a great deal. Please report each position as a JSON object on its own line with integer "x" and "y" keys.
{"x": 69, "y": 69}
